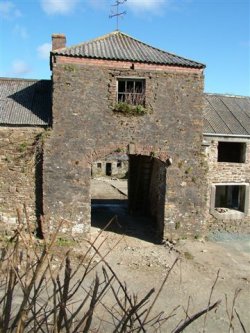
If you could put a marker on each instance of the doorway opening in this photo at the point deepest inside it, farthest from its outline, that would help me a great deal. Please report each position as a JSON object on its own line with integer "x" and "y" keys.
{"x": 108, "y": 169}
{"x": 135, "y": 201}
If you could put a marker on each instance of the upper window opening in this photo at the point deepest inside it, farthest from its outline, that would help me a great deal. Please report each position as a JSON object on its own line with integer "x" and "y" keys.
{"x": 131, "y": 91}
{"x": 231, "y": 152}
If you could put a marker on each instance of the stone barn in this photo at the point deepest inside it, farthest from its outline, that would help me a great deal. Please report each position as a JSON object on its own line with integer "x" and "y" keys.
{"x": 113, "y": 93}
{"x": 117, "y": 102}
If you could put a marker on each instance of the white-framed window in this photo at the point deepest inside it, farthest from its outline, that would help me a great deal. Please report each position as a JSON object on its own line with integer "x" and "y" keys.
{"x": 131, "y": 91}
{"x": 229, "y": 200}
{"x": 230, "y": 196}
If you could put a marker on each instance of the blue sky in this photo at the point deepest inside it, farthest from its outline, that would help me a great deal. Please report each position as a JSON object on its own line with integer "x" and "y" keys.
{"x": 214, "y": 32}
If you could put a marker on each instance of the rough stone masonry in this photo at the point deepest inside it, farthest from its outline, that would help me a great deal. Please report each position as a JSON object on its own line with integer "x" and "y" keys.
{"x": 86, "y": 128}
{"x": 188, "y": 153}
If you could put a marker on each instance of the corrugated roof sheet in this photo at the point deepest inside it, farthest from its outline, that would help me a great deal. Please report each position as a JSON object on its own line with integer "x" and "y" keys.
{"x": 225, "y": 114}
{"x": 25, "y": 102}
{"x": 119, "y": 46}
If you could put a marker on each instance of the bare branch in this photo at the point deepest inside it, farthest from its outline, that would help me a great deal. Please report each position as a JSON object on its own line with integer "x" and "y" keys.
{"x": 188, "y": 321}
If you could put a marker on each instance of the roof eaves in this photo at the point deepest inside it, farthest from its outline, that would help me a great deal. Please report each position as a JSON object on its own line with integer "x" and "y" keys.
{"x": 17, "y": 79}
{"x": 227, "y": 135}
{"x": 198, "y": 66}
{"x": 5, "y": 124}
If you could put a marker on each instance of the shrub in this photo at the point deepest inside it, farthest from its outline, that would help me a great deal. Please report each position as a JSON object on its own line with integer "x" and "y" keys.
{"x": 130, "y": 109}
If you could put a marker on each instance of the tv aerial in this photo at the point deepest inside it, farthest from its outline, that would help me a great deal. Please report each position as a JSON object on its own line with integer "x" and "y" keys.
{"x": 117, "y": 13}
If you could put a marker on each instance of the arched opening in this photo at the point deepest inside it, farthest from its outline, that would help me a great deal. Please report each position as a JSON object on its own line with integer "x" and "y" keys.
{"x": 132, "y": 194}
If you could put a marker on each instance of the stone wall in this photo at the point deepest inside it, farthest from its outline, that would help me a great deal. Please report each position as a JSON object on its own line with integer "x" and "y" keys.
{"x": 227, "y": 173}
{"x": 20, "y": 176}
{"x": 157, "y": 194}
{"x": 86, "y": 128}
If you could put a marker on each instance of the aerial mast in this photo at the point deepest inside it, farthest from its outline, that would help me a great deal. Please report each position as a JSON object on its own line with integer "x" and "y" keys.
{"x": 117, "y": 14}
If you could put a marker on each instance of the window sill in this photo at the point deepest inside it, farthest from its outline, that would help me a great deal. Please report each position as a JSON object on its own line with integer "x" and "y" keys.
{"x": 227, "y": 214}
{"x": 232, "y": 163}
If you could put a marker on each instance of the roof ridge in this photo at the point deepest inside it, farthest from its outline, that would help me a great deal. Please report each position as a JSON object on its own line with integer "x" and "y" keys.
{"x": 226, "y": 95}
{"x": 20, "y": 79}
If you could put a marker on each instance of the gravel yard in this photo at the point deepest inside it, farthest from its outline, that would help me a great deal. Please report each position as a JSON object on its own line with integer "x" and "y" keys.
{"x": 143, "y": 265}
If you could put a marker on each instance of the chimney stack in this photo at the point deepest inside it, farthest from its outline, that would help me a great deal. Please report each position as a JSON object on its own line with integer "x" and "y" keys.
{"x": 58, "y": 41}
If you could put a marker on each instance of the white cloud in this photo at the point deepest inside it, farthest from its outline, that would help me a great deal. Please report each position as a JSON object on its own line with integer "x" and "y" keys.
{"x": 8, "y": 10}
{"x": 20, "y": 67}
{"x": 153, "y": 6}
{"x": 21, "y": 31}
{"x": 63, "y": 7}
{"x": 44, "y": 50}
{"x": 146, "y": 5}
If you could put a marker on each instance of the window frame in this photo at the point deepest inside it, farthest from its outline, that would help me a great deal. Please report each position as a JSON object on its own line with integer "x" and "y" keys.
{"x": 231, "y": 213}
{"x": 131, "y": 97}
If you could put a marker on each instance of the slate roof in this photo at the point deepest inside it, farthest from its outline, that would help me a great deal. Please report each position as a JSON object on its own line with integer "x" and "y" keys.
{"x": 225, "y": 114}
{"x": 119, "y": 46}
{"x": 25, "y": 102}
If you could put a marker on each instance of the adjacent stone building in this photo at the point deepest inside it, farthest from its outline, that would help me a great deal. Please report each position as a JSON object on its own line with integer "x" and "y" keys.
{"x": 115, "y": 165}
{"x": 117, "y": 101}
{"x": 25, "y": 114}
{"x": 227, "y": 141}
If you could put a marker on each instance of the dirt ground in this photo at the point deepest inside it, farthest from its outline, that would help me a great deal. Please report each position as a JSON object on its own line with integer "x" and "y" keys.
{"x": 143, "y": 264}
